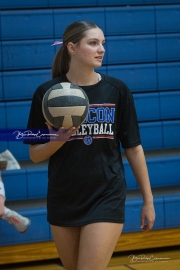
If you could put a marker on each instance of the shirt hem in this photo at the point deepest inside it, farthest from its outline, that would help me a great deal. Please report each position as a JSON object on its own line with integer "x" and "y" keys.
{"x": 78, "y": 224}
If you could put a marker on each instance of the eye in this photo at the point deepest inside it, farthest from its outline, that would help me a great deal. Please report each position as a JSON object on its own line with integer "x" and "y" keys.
{"x": 93, "y": 42}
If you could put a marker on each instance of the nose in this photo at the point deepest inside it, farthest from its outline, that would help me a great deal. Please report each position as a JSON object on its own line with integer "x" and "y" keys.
{"x": 101, "y": 48}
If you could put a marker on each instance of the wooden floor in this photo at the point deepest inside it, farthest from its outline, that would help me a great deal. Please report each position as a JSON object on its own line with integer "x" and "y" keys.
{"x": 41, "y": 251}
{"x": 154, "y": 259}
{"x": 156, "y": 250}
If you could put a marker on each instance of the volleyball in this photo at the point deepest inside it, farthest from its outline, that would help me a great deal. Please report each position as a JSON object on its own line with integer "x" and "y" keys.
{"x": 65, "y": 105}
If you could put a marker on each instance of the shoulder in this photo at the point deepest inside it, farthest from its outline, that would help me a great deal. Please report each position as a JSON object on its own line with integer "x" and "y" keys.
{"x": 119, "y": 84}
{"x": 46, "y": 86}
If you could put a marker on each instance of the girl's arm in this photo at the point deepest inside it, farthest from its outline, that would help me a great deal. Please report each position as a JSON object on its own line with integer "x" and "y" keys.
{"x": 136, "y": 158}
{"x": 40, "y": 152}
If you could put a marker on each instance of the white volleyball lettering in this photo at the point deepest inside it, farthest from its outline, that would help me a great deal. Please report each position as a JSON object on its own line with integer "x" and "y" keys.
{"x": 84, "y": 132}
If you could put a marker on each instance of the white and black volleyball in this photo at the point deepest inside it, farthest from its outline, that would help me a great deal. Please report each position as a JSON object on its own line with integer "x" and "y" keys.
{"x": 65, "y": 105}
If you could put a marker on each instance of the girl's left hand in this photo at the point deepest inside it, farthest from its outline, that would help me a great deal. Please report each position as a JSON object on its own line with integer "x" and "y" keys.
{"x": 147, "y": 217}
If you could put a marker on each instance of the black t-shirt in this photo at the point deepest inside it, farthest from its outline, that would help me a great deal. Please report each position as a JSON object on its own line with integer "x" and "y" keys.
{"x": 86, "y": 175}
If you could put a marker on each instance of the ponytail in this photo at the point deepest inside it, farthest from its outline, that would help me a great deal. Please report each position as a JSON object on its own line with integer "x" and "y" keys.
{"x": 61, "y": 63}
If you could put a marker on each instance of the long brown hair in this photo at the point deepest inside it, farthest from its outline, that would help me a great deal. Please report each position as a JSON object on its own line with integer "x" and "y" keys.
{"x": 73, "y": 33}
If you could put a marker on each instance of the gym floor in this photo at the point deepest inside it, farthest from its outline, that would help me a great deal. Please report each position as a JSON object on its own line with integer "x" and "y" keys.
{"x": 161, "y": 259}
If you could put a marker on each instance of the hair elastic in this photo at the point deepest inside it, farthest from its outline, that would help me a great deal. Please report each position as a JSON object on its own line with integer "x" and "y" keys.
{"x": 2, "y": 190}
{"x": 57, "y": 43}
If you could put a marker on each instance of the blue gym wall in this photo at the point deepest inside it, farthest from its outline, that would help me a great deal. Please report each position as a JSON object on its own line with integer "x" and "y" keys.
{"x": 142, "y": 49}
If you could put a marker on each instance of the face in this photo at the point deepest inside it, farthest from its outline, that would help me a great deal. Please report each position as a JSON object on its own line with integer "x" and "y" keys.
{"x": 90, "y": 50}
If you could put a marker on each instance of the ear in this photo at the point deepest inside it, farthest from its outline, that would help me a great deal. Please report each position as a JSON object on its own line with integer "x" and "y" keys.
{"x": 71, "y": 47}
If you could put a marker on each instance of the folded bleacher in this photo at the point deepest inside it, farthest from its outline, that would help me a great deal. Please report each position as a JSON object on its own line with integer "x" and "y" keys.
{"x": 142, "y": 49}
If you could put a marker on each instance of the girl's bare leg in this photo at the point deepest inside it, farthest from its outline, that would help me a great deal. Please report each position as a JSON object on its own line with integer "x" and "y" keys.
{"x": 67, "y": 243}
{"x": 97, "y": 243}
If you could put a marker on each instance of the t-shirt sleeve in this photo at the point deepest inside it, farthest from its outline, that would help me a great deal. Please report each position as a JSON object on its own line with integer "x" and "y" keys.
{"x": 128, "y": 131}
{"x": 36, "y": 127}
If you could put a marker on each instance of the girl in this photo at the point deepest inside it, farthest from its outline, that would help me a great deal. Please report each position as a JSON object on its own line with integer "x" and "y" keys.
{"x": 87, "y": 188}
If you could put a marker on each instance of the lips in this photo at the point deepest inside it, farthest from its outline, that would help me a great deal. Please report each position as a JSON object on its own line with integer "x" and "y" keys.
{"x": 99, "y": 57}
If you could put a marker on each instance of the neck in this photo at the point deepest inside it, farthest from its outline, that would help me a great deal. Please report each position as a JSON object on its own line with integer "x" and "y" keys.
{"x": 82, "y": 77}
